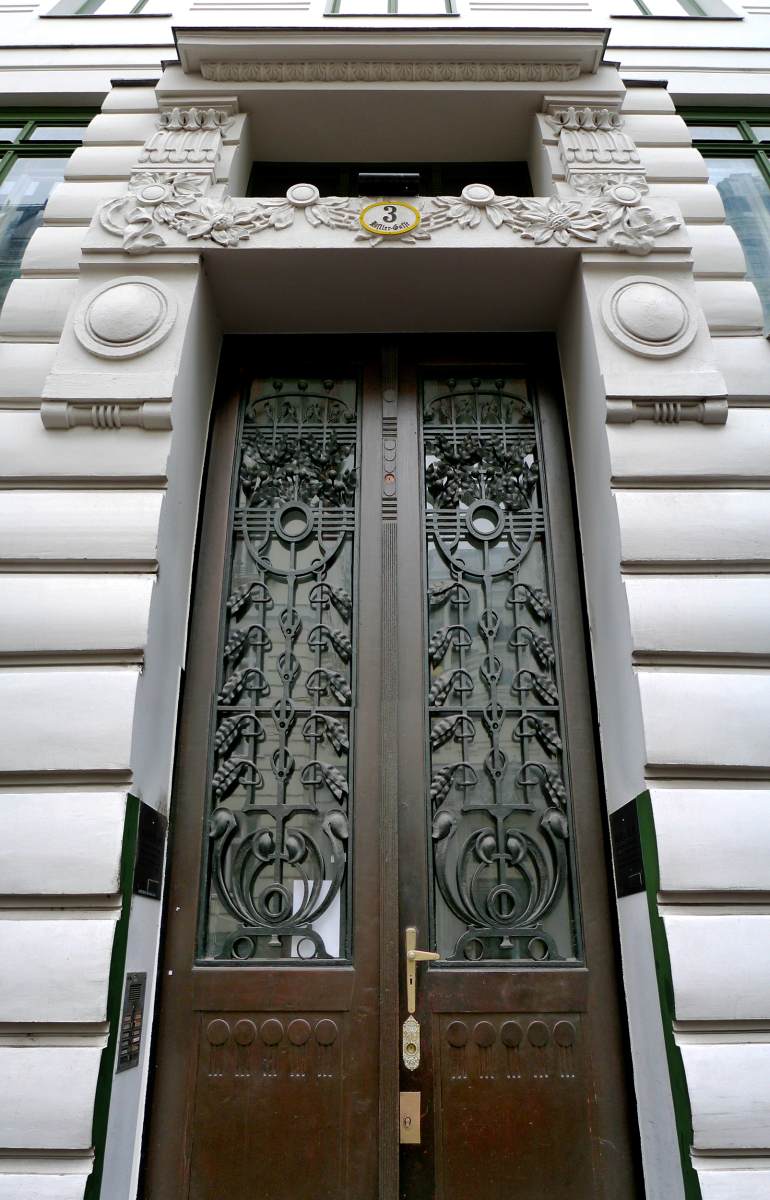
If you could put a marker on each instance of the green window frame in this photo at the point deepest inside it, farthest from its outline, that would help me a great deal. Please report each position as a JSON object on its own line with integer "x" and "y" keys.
{"x": 31, "y": 136}
{"x": 729, "y": 133}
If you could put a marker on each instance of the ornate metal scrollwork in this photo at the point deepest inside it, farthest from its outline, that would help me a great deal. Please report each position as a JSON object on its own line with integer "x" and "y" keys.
{"x": 499, "y": 807}
{"x": 277, "y": 867}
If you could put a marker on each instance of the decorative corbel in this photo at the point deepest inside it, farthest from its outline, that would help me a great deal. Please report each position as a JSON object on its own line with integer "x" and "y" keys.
{"x": 187, "y": 137}
{"x": 594, "y": 149}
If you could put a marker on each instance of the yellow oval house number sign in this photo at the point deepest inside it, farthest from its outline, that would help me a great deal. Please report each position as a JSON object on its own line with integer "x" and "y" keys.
{"x": 390, "y": 218}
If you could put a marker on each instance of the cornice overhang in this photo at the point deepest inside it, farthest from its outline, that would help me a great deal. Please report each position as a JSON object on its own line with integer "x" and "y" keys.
{"x": 380, "y": 54}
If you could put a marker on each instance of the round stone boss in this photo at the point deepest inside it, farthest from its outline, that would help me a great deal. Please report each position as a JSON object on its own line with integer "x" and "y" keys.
{"x": 648, "y": 316}
{"x": 125, "y": 317}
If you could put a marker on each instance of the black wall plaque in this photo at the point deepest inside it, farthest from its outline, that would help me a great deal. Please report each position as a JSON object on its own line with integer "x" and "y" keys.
{"x": 627, "y": 850}
{"x": 148, "y": 869}
{"x": 131, "y": 1021}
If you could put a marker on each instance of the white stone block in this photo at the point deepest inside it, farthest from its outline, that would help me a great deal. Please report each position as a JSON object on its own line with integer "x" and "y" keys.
{"x": 55, "y": 971}
{"x": 120, "y": 129}
{"x": 130, "y": 99}
{"x": 735, "y": 1184}
{"x": 75, "y": 203}
{"x": 716, "y": 251}
{"x": 54, "y": 250}
{"x": 666, "y": 526}
{"x": 29, "y": 451}
{"x": 23, "y": 370}
{"x": 653, "y": 129}
{"x": 729, "y": 1087}
{"x": 745, "y": 364}
{"x": 66, "y": 719}
{"x": 35, "y": 309}
{"x": 43, "y": 614}
{"x": 696, "y": 201}
{"x": 738, "y": 451}
{"x": 666, "y": 164}
{"x": 102, "y": 162}
{"x": 700, "y": 947}
{"x": 732, "y": 306}
{"x": 47, "y": 1097}
{"x": 712, "y": 839}
{"x": 98, "y": 526}
{"x": 700, "y": 614}
{"x": 61, "y": 843}
{"x": 706, "y": 719}
{"x": 42, "y": 1187}
{"x": 647, "y": 100}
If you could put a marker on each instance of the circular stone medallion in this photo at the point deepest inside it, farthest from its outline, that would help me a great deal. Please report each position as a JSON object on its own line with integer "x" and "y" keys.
{"x": 648, "y": 316}
{"x": 125, "y": 317}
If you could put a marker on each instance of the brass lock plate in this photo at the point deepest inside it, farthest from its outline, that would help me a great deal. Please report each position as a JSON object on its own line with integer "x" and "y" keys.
{"x": 410, "y": 1043}
{"x": 409, "y": 1118}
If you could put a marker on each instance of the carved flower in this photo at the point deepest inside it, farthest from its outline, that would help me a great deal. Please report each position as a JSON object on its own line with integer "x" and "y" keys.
{"x": 221, "y": 221}
{"x": 639, "y": 229}
{"x": 166, "y": 194}
{"x": 553, "y": 219}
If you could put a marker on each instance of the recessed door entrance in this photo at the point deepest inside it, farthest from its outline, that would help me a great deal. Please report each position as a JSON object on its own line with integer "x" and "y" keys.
{"x": 388, "y": 966}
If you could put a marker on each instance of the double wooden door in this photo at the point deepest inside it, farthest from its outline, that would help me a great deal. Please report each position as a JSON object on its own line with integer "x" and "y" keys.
{"x": 386, "y": 727}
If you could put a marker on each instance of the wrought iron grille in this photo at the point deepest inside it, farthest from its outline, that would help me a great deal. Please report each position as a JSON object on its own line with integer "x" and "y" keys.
{"x": 503, "y": 869}
{"x": 277, "y": 870}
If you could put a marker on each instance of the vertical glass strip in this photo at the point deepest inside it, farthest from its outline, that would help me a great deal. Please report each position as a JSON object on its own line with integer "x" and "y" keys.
{"x": 503, "y": 870}
{"x": 277, "y": 875}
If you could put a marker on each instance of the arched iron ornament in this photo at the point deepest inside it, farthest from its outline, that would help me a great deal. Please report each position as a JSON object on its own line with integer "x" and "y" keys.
{"x": 276, "y": 884}
{"x": 503, "y": 870}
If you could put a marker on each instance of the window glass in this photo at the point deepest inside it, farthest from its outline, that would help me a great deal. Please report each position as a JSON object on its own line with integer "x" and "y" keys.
{"x": 746, "y": 197}
{"x": 23, "y": 194}
{"x": 8, "y": 133}
{"x": 57, "y": 133}
{"x": 762, "y": 132}
{"x": 715, "y": 133}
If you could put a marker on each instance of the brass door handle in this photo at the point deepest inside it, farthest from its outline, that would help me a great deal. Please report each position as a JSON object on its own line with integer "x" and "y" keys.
{"x": 413, "y": 956}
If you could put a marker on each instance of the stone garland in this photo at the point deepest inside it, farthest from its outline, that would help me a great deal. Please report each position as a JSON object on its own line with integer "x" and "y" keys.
{"x": 156, "y": 200}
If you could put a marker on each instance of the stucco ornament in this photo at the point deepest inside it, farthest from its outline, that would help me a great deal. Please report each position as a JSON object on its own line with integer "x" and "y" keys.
{"x": 125, "y": 317}
{"x": 187, "y": 135}
{"x": 176, "y": 202}
{"x": 649, "y": 316}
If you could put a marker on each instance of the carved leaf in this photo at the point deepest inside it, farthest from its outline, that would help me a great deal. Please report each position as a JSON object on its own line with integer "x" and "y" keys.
{"x": 337, "y": 735}
{"x": 341, "y": 643}
{"x": 545, "y": 689}
{"x": 439, "y": 644}
{"x": 339, "y": 687}
{"x": 542, "y": 650}
{"x": 553, "y": 788}
{"x": 335, "y": 781}
{"x": 227, "y": 734}
{"x": 342, "y": 601}
{"x": 228, "y": 776}
{"x": 236, "y": 645}
{"x": 442, "y": 731}
{"x": 537, "y": 602}
{"x": 440, "y": 785}
{"x": 547, "y": 736}
{"x": 441, "y": 687}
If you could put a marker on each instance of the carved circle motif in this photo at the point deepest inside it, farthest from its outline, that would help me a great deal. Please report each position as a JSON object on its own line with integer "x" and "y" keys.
{"x": 125, "y": 318}
{"x": 217, "y": 1032}
{"x": 298, "y": 1031}
{"x": 511, "y": 1034}
{"x": 271, "y": 1031}
{"x": 325, "y": 1032}
{"x": 564, "y": 1033}
{"x": 649, "y": 317}
{"x": 302, "y": 194}
{"x": 538, "y": 1033}
{"x": 245, "y": 1032}
{"x": 484, "y": 1033}
{"x": 478, "y": 194}
{"x": 457, "y": 1034}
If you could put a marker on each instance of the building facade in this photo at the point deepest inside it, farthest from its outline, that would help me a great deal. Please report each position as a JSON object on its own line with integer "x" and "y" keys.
{"x": 385, "y": 542}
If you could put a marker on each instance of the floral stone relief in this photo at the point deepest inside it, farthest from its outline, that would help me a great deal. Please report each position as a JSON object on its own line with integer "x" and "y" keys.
{"x": 157, "y": 202}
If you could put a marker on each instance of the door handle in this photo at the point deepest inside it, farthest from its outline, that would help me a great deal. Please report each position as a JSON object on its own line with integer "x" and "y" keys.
{"x": 410, "y": 1034}
{"x": 413, "y": 957}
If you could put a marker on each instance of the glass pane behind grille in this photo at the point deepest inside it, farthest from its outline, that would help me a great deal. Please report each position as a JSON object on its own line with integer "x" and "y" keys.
{"x": 503, "y": 871}
{"x": 277, "y": 876}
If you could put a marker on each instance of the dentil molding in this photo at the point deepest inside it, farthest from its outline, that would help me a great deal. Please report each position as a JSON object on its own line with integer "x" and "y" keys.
{"x": 649, "y": 317}
{"x": 158, "y": 201}
{"x": 335, "y": 71}
{"x": 125, "y": 318}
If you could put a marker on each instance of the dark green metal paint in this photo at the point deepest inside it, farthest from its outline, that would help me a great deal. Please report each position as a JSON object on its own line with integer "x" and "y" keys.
{"x": 114, "y": 998}
{"x": 679, "y": 1092}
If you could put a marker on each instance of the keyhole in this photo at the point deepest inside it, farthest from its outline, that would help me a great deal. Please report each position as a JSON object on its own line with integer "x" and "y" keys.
{"x": 411, "y": 1048}
{"x": 407, "y": 1122}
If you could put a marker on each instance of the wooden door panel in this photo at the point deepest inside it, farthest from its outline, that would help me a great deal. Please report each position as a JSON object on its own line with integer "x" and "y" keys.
{"x": 514, "y": 1108}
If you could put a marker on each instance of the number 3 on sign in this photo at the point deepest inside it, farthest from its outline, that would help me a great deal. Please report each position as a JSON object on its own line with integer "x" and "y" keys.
{"x": 390, "y": 218}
